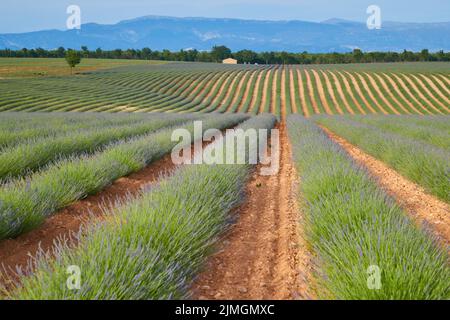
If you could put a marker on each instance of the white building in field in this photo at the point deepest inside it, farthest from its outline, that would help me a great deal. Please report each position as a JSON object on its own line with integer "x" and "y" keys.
{"x": 230, "y": 61}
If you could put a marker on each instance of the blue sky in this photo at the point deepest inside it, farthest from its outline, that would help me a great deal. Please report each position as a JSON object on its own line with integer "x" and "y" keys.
{"x": 31, "y": 15}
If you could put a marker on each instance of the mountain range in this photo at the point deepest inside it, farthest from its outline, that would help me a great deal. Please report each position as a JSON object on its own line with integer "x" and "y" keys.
{"x": 157, "y": 33}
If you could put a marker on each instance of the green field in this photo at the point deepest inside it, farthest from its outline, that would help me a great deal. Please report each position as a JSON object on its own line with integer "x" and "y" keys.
{"x": 39, "y": 67}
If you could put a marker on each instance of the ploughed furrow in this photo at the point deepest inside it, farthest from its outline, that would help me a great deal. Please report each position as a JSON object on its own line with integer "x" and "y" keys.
{"x": 257, "y": 92}
{"x": 321, "y": 92}
{"x": 293, "y": 90}
{"x": 410, "y": 94}
{"x": 273, "y": 87}
{"x": 264, "y": 255}
{"x": 331, "y": 92}
{"x": 15, "y": 253}
{"x": 417, "y": 83}
{"x": 359, "y": 91}
{"x": 311, "y": 92}
{"x": 351, "y": 94}
{"x": 428, "y": 211}
{"x": 283, "y": 95}
{"x": 420, "y": 94}
{"x": 380, "y": 94}
{"x": 435, "y": 88}
{"x": 399, "y": 92}
{"x": 246, "y": 98}
{"x": 341, "y": 93}
{"x": 302, "y": 93}
{"x": 369, "y": 92}
{"x": 266, "y": 88}
{"x": 230, "y": 92}
{"x": 390, "y": 94}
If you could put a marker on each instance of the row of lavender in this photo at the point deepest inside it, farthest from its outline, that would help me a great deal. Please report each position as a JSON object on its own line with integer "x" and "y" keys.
{"x": 366, "y": 246}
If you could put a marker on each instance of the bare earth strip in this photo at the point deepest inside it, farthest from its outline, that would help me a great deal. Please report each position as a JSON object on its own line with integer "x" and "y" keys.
{"x": 331, "y": 92}
{"x": 359, "y": 91}
{"x": 256, "y": 91}
{"x": 403, "y": 85}
{"x": 265, "y": 89}
{"x": 425, "y": 89}
{"x": 321, "y": 92}
{"x": 341, "y": 93}
{"x": 292, "y": 90}
{"x": 244, "y": 81}
{"x": 400, "y": 94}
{"x": 428, "y": 92}
{"x": 302, "y": 94}
{"x": 369, "y": 92}
{"x": 16, "y": 252}
{"x": 274, "y": 90}
{"x": 311, "y": 93}
{"x": 247, "y": 90}
{"x": 440, "y": 76}
{"x": 283, "y": 94}
{"x": 264, "y": 255}
{"x": 435, "y": 88}
{"x": 229, "y": 93}
{"x": 379, "y": 93}
{"x": 420, "y": 94}
{"x": 440, "y": 81}
{"x": 393, "y": 97}
{"x": 430, "y": 213}
{"x": 214, "y": 87}
{"x": 350, "y": 92}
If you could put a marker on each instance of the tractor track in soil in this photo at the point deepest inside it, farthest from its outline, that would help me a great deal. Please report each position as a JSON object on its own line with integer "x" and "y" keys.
{"x": 264, "y": 255}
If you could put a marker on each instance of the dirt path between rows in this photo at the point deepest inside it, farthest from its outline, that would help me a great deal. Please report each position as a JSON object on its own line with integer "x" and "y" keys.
{"x": 68, "y": 221}
{"x": 428, "y": 92}
{"x": 311, "y": 92}
{"x": 245, "y": 97}
{"x": 419, "y": 93}
{"x": 359, "y": 91}
{"x": 341, "y": 92}
{"x": 17, "y": 252}
{"x": 350, "y": 92}
{"x": 409, "y": 93}
{"x": 292, "y": 91}
{"x": 380, "y": 94}
{"x": 264, "y": 255}
{"x": 389, "y": 92}
{"x": 435, "y": 88}
{"x": 301, "y": 89}
{"x": 321, "y": 91}
{"x": 429, "y": 212}
{"x": 440, "y": 80}
{"x": 399, "y": 92}
{"x": 256, "y": 91}
{"x": 243, "y": 82}
{"x": 370, "y": 93}
{"x": 264, "y": 93}
{"x": 331, "y": 92}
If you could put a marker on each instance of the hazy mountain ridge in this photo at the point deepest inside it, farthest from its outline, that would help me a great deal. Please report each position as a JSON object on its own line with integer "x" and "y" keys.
{"x": 158, "y": 32}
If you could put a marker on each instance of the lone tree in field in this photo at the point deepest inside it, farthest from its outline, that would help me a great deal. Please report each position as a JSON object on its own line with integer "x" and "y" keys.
{"x": 73, "y": 58}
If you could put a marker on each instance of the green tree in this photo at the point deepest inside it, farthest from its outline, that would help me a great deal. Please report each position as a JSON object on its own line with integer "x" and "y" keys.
{"x": 219, "y": 53}
{"x": 73, "y": 58}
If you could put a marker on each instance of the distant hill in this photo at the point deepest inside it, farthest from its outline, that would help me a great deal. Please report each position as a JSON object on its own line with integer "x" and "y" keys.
{"x": 202, "y": 33}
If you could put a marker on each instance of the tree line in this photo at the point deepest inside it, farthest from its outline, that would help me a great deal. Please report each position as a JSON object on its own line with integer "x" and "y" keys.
{"x": 218, "y": 53}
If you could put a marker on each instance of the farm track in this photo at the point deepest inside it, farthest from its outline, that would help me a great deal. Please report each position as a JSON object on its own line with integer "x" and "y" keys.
{"x": 264, "y": 254}
{"x": 429, "y": 212}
